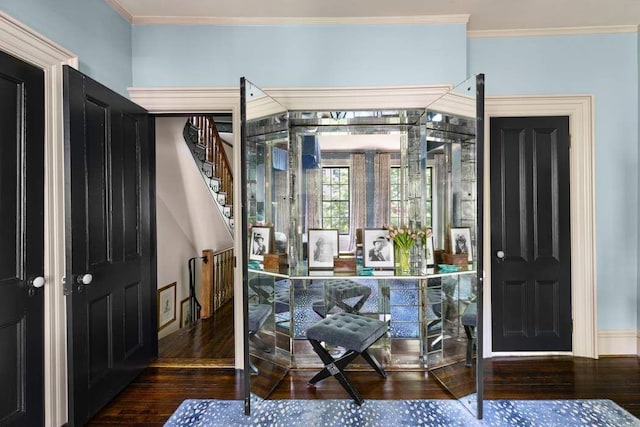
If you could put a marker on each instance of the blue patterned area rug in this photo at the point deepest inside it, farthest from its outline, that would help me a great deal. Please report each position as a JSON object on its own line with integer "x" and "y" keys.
{"x": 310, "y": 413}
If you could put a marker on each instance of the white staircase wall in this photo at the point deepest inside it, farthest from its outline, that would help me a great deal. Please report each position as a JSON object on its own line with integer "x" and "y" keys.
{"x": 187, "y": 219}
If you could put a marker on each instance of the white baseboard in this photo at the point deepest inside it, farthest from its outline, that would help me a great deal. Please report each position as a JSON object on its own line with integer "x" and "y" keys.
{"x": 618, "y": 342}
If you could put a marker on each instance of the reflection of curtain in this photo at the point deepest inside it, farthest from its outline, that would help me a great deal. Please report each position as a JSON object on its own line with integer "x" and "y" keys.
{"x": 358, "y": 198}
{"x": 314, "y": 198}
{"x": 381, "y": 184}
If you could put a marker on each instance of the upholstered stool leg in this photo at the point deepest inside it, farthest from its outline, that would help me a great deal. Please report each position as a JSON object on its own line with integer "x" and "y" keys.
{"x": 374, "y": 363}
{"x": 470, "y": 342}
{"x": 469, "y": 319}
{"x": 353, "y": 332}
{"x": 326, "y": 358}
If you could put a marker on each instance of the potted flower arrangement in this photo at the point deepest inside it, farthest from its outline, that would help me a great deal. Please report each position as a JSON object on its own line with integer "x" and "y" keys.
{"x": 403, "y": 239}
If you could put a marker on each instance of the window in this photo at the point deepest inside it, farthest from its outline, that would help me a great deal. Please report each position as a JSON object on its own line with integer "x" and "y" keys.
{"x": 428, "y": 196}
{"x": 395, "y": 196}
{"x": 335, "y": 198}
{"x": 395, "y": 213}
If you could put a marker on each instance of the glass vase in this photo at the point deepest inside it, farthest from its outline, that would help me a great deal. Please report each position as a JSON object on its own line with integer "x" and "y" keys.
{"x": 403, "y": 258}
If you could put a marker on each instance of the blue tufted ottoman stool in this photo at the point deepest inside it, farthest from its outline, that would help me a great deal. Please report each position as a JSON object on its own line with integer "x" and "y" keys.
{"x": 469, "y": 320}
{"x": 337, "y": 291}
{"x": 355, "y": 333}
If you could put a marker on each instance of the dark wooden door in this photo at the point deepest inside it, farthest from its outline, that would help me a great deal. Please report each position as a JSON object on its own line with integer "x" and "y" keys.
{"x": 110, "y": 243}
{"x": 21, "y": 243}
{"x": 530, "y": 234}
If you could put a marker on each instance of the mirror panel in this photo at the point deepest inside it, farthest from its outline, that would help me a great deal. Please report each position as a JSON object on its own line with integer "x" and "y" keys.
{"x": 454, "y": 143}
{"x": 404, "y": 167}
{"x": 265, "y": 223}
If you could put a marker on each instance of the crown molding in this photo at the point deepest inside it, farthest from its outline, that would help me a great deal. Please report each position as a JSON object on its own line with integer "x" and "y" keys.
{"x": 161, "y": 100}
{"x": 562, "y": 31}
{"x": 165, "y": 100}
{"x": 23, "y": 42}
{"x": 115, "y": 4}
{"x": 366, "y": 20}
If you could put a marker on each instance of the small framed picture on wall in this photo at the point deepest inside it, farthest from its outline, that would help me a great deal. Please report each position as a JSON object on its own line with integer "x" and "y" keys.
{"x": 461, "y": 242}
{"x": 377, "y": 249}
{"x": 260, "y": 243}
{"x": 323, "y": 247}
{"x": 429, "y": 251}
{"x": 166, "y": 305}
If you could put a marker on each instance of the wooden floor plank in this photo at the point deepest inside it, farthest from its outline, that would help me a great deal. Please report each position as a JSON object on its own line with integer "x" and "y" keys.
{"x": 191, "y": 366}
{"x": 157, "y": 392}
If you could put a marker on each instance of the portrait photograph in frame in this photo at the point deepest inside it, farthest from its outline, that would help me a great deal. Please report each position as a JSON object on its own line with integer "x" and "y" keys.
{"x": 461, "y": 241}
{"x": 260, "y": 242}
{"x": 166, "y": 305}
{"x": 323, "y": 247}
{"x": 377, "y": 249}
{"x": 430, "y": 256}
{"x": 185, "y": 312}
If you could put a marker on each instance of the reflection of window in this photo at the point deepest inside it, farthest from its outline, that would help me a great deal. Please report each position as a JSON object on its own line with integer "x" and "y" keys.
{"x": 395, "y": 196}
{"x": 428, "y": 196}
{"x": 395, "y": 212}
{"x": 335, "y": 198}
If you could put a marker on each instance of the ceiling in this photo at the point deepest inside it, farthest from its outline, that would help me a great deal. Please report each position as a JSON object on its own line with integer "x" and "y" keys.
{"x": 483, "y": 15}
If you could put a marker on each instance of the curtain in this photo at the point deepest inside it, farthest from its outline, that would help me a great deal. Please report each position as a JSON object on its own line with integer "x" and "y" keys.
{"x": 314, "y": 198}
{"x": 358, "y": 198}
{"x": 381, "y": 184}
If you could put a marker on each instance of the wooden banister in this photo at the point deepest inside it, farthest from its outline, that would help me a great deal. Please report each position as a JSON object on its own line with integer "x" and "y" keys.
{"x": 217, "y": 280}
{"x": 215, "y": 154}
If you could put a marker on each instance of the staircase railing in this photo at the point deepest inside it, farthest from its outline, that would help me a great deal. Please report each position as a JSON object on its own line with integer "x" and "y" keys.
{"x": 209, "y": 137}
{"x": 217, "y": 280}
{"x": 194, "y": 305}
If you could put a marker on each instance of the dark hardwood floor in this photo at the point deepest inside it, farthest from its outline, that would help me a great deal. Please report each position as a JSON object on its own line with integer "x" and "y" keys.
{"x": 209, "y": 342}
{"x": 157, "y": 392}
{"x": 196, "y": 363}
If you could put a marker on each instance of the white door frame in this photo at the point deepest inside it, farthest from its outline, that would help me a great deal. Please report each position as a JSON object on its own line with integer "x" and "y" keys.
{"x": 26, "y": 44}
{"x": 580, "y": 110}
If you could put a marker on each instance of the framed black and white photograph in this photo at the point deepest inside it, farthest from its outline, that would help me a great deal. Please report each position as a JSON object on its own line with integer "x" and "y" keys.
{"x": 260, "y": 242}
{"x": 429, "y": 251}
{"x": 323, "y": 247}
{"x": 185, "y": 312}
{"x": 166, "y": 305}
{"x": 461, "y": 242}
{"x": 377, "y": 249}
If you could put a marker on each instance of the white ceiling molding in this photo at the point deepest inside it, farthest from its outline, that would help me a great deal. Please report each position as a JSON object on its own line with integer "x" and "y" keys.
{"x": 200, "y": 100}
{"x": 366, "y": 20}
{"x": 455, "y": 103}
{"x": 380, "y": 97}
{"x": 115, "y": 4}
{"x": 565, "y": 31}
{"x": 22, "y": 42}
{"x": 186, "y": 100}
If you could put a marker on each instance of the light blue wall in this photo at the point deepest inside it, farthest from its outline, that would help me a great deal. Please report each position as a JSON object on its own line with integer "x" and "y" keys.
{"x": 606, "y": 66}
{"x": 114, "y": 53}
{"x": 294, "y": 55}
{"x": 90, "y": 29}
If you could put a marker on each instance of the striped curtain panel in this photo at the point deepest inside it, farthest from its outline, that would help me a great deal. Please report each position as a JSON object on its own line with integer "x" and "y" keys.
{"x": 358, "y": 192}
{"x": 381, "y": 182}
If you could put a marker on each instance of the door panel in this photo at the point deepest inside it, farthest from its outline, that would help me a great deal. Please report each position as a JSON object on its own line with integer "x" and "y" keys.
{"x": 22, "y": 242}
{"x": 531, "y": 284}
{"x": 110, "y": 235}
